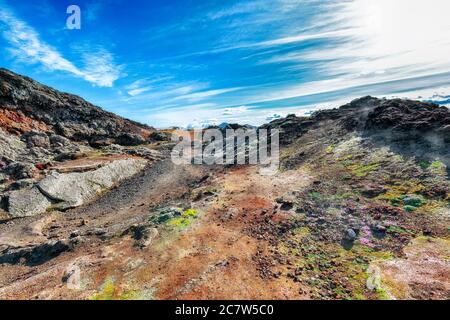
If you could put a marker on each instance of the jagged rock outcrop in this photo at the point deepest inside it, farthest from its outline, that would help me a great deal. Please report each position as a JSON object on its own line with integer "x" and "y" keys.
{"x": 412, "y": 128}
{"x": 74, "y": 189}
{"x": 64, "y": 191}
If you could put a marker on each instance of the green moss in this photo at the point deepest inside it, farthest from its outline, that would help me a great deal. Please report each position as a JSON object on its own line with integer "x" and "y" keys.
{"x": 180, "y": 222}
{"x": 362, "y": 170}
{"x": 106, "y": 292}
{"x": 409, "y": 208}
{"x": 109, "y": 291}
{"x": 190, "y": 213}
{"x": 185, "y": 220}
{"x": 424, "y": 164}
{"x": 438, "y": 168}
{"x": 431, "y": 165}
{"x": 302, "y": 231}
{"x": 50, "y": 209}
{"x": 129, "y": 295}
{"x": 398, "y": 230}
{"x": 413, "y": 201}
{"x": 316, "y": 196}
{"x": 314, "y": 258}
{"x": 436, "y": 165}
{"x": 382, "y": 294}
{"x": 404, "y": 193}
{"x": 409, "y": 203}
{"x": 345, "y": 158}
{"x": 173, "y": 216}
{"x": 331, "y": 148}
{"x": 160, "y": 219}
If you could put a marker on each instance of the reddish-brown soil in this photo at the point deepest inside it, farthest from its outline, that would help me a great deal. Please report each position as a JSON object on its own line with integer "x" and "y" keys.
{"x": 18, "y": 123}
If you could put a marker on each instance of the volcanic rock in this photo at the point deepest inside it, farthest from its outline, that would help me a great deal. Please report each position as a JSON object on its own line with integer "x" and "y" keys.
{"x": 28, "y": 202}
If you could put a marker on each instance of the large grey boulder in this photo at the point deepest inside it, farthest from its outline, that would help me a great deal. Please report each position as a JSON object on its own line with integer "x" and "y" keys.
{"x": 71, "y": 190}
{"x": 75, "y": 189}
{"x": 26, "y": 203}
{"x": 11, "y": 147}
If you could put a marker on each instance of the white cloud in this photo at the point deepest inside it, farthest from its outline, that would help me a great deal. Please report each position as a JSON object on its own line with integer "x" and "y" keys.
{"x": 303, "y": 37}
{"x": 144, "y": 85}
{"x": 99, "y": 68}
{"x": 235, "y": 111}
{"x": 138, "y": 87}
{"x": 26, "y": 46}
{"x": 437, "y": 95}
{"x": 382, "y": 40}
{"x": 368, "y": 43}
{"x": 138, "y": 91}
{"x": 403, "y": 35}
{"x": 201, "y": 95}
{"x": 165, "y": 94}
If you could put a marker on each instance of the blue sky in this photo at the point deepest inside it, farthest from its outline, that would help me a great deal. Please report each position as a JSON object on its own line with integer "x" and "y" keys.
{"x": 194, "y": 62}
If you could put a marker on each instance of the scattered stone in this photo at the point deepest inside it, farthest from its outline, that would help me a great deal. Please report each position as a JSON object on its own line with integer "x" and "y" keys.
{"x": 350, "y": 235}
{"x": 36, "y": 139}
{"x": 59, "y": 141}
{"x": 37, "y": 254}
{"x": 129, "y": 139}
{"x": 134, "y": 264}
{"x": 147, "y": 237}
{"x": 75, "y": 233}
{"x": 3, "y": 215}
{"x": 3, "y": 177}
{"x": 372, "y": 191}
{"x": 144, "y": 153}
{"x": 160, "y": 136}
{"x": 11, "y": 147}
{"x": 96, "y": 232}
{"x": 165, "y": 215}
{"x": 101, "y": 142}
{"x": 22, "y": 184}
{"x": 143, "y": 234}
{"x": 21, "y": 170}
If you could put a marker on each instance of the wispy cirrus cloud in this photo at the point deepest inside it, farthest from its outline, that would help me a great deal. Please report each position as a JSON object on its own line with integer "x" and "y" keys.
{"x": 138, "y": 87}
{"x": 201, "y": 95}
{"x": 26, "y": 46}
{"x": 374, "y": 42}
{"x": 141, "y": 86}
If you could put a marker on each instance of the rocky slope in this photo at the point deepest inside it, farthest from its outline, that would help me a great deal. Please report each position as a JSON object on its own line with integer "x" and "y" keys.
{"x": 360, "y": 209}
{"x": 43, "y": 132}
{"x": 28, "y": 105}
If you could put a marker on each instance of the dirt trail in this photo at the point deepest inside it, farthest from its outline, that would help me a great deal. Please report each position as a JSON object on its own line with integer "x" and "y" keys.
{"x": 219, "y": 255}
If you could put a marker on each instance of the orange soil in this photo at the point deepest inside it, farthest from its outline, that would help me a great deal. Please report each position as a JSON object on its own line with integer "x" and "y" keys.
{"x": 18, "y": 123}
